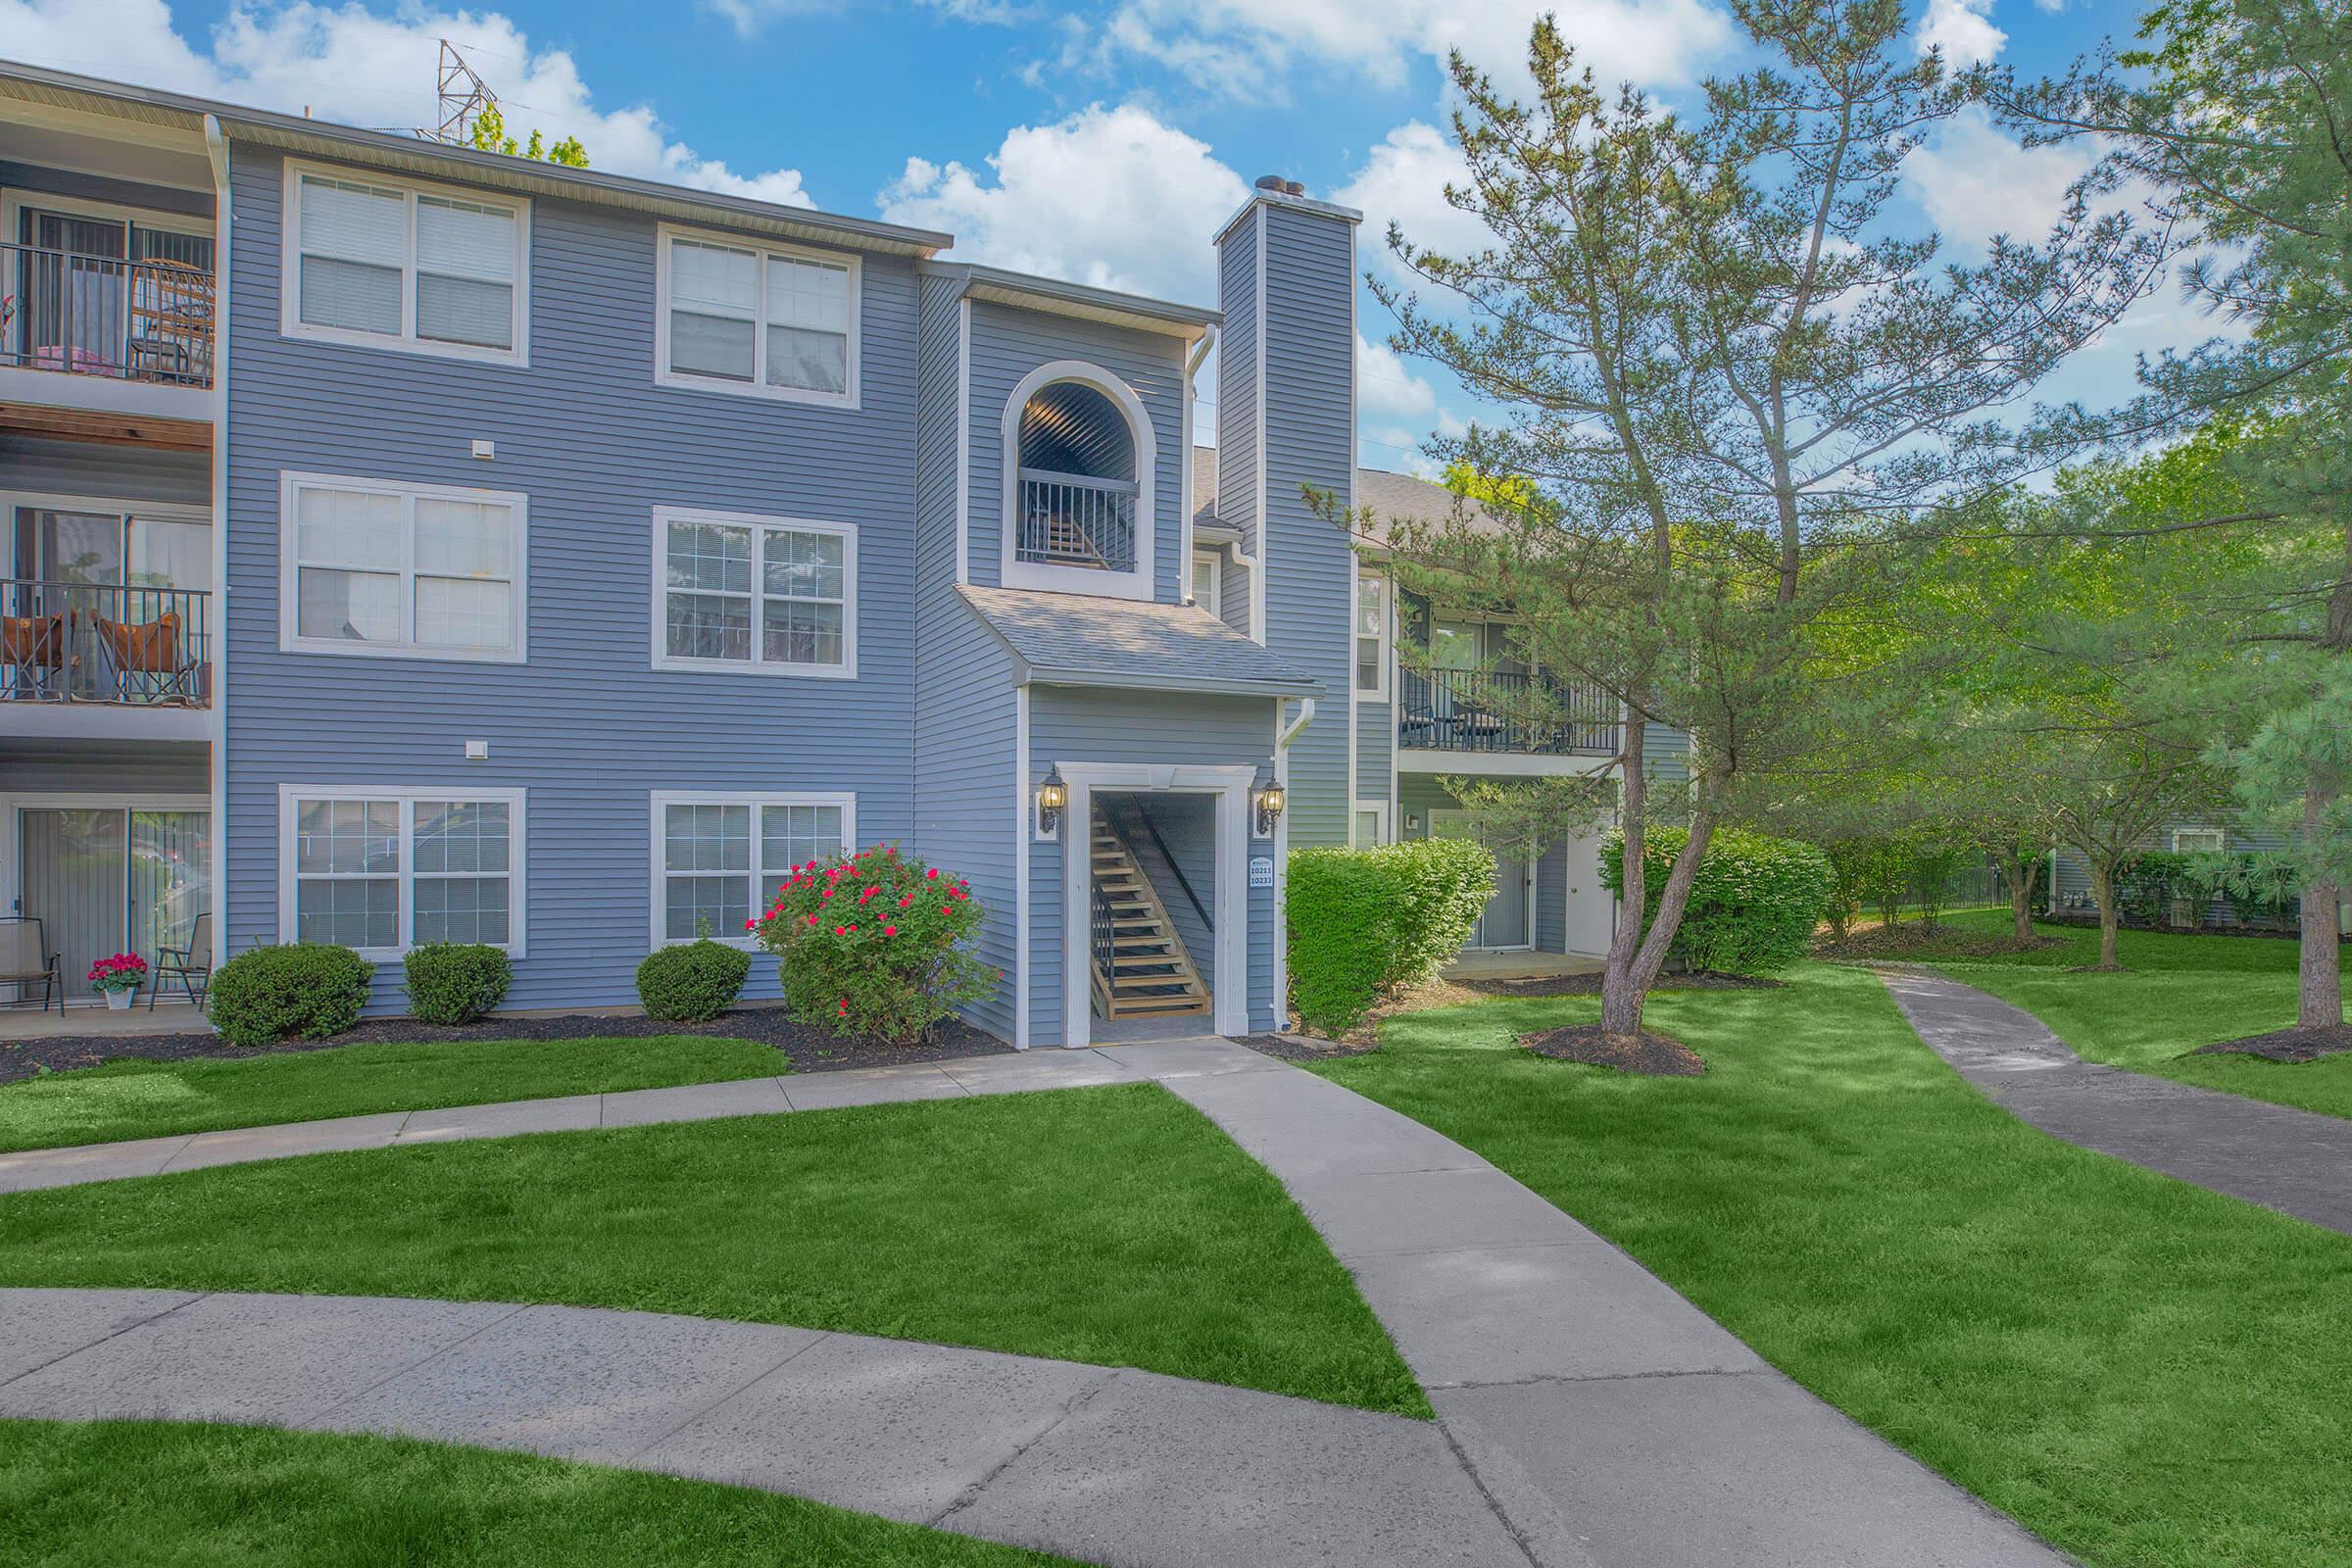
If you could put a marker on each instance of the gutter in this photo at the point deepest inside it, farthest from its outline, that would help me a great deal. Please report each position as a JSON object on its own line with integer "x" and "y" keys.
{"x": 216, "y": 149}
{"x": 1290, "y": 732}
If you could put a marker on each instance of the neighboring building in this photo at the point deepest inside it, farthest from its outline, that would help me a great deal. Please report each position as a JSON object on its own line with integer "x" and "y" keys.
{"x": 410, "y": 543}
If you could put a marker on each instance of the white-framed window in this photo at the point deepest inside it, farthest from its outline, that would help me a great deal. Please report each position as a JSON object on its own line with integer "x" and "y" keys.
{"x": 1371, "y": 634}
{"x": 759, "y": 318}
{"x": 718, "y": 858}
{"x": 2200, "y": 841}
{"x": 395, "y": 263}
{"x": 387, "y": 869}
{"x": 1370, "y": 824}
{"x": 737, "y": 592}
{"x": 1207, "y": 581}
{"x": 400, "y": 571}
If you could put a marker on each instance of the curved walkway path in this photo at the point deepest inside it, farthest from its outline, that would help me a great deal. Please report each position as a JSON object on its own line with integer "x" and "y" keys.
{"x": 2298, "y": 1163}
{"x": 1588, "y": 1414}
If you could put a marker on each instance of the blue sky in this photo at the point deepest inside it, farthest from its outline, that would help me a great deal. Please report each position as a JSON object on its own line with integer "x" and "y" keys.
{"x": 1100, "y": 142}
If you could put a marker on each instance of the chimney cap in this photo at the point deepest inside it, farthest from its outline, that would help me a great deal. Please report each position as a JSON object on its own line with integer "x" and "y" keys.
{"x": 1272, "y": 182}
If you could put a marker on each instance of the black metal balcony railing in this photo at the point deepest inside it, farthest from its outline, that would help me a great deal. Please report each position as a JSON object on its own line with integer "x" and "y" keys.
{"x": 1068, "y": 520}
{"x": 71, "y": 642}
{"x": 1477, "y": 710}
{"x": 104, "y": 315}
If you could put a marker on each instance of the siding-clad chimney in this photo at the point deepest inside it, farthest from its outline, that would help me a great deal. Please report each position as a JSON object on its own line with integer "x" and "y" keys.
{"x": 1286, "y": 419}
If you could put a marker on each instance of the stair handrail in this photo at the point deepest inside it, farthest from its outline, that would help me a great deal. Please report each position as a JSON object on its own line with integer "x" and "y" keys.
{"x": 1208, "y": 922}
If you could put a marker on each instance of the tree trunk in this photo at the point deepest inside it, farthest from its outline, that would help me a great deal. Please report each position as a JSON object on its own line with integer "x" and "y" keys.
{"x": 2020, "y": 872}
{"x": 1621, "y": 1000}
{"x": 2102, "y": 888}
{"x": 2319, "y": 983}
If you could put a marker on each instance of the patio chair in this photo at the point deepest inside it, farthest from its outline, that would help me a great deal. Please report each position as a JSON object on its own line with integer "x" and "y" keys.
{"x": 145, "y": 661}
{"x": 26, "y": 961}
{"x": 32, "y": 652}
{"x": 192, "y": 965}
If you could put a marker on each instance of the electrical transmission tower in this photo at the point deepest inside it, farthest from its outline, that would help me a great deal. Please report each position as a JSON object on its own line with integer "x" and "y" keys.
{"x": 463, "y": 96}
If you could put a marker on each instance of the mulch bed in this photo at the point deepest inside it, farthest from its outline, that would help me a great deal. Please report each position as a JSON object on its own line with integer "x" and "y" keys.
{"x": 808, "y": 1049}
{"x": 1301, "y": 1047}
{"x": 2286, "y": 1045}
{"x": 1647, "y": 1055}
{"x": 1948, "y": 941}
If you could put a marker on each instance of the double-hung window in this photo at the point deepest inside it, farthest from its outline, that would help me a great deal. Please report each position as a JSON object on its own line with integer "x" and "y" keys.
{"x": 386, "y": 262}
{"x": 764, "y": 320}
{"x": 1371, "y": 634}
{"x": 2200, "y": 841}
{"x": 737, "y": 592}
{"x": 719, "y": 858}
{"x": 1207, "y": 581}
{"x": 385, "y": 870}
{"x": 416, "y": 571}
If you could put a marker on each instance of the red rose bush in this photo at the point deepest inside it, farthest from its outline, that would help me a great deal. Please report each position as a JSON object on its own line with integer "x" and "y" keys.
{"x": 875, "y": 943}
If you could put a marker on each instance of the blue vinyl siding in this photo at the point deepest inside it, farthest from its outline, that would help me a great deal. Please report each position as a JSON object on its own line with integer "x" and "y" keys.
{"x": 1666, "y": 751}
{"x": 1007, "y": 343}
{"x": 587, "y": 726}
{"x": 105, "y": 768}
{"x": 1375, "y": 749}
{"x": 1551, "y": 899}
{"x": 966, "y": 817}
{"x": 1310, "y": 441}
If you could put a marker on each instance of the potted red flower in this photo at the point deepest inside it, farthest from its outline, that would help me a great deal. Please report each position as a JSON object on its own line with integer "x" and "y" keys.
{"x": 118, "y": 978}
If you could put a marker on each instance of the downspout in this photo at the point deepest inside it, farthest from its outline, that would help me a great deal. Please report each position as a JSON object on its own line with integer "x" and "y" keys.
{"x": 216, "y": 147}
{"x": 1190, "y": 502}
{"x": 1282, "y": 742}
{"x": 1284, "y": 734}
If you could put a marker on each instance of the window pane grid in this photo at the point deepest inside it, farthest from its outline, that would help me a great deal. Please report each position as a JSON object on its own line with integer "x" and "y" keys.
{"x": 712, "y": 865}
{"x": 384, "y": 874}
{"x": 787, "y": 604}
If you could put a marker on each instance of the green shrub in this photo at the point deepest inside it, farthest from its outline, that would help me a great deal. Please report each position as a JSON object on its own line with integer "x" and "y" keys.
{"x": 2146, "y": 885}
{"x": 875, "y": 943}
{"x": 456, "y": 982}
{"x": 692, "y": 981}
{"x": 305, "y": 990}
{"x": 1365, "y": 923}
{"x": 1753, "y": 904}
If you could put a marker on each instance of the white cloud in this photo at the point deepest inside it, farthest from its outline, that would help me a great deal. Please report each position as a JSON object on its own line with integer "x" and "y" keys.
{"x": 1249, "y": 45}
{"x": 348, "y": 64}
{"x": 1405, "y": 181}
{"x": 1963, "y": 29}
{"x": 1975, "y": 183}
{"x": 751, "y": 16}
{"x": 1387, "y": 389}
{"x": 1109, "y": 197}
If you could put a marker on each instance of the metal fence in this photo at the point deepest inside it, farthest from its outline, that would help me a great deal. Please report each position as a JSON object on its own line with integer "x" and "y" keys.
{"x": 102, "y": 315}
{"x": 67, "y": 642}
{"x": 1480, "y": 711}
{"x": 1068, "y": 520}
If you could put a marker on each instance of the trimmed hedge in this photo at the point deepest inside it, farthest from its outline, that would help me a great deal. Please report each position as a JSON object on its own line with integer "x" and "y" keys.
{"x": 456, "y": 982}
{"x": 1753, "y": 904}
{"x": 304, "y": 990}
{"x": 1364, "y": 923}
{"x": 692, "y": 981}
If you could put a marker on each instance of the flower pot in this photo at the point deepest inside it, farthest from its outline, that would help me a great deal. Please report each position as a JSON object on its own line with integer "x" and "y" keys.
{"x": 117, "y": 1001}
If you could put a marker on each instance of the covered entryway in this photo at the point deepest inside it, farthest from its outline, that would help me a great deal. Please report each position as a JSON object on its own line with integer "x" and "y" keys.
{"x": 107, "y": 874}
{"x": 1155, "y": 912}
{"x": 1509, "y": 922}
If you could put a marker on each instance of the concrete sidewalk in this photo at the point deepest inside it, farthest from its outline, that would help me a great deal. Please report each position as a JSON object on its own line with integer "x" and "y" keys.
{"x": 27, "y": 1170}
{"x": 1598, "y": 1416}
{"x": 1119, "y": 1467}
{"x": 2298, "y": 1163}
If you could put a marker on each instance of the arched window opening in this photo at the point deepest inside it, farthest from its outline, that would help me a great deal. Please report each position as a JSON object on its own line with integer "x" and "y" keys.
{"x": 1078, "y": 480}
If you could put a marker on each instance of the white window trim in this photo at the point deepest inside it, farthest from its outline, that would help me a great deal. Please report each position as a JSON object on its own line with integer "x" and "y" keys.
{"x": 291, "y": 796}
{"x": 1134, "y": 584}
{"x": 663, "y": 659}
{"x": 852, "y": 390}
{"x": 405, "y": 341}
{"x": 1388, "y": 634}
{"x": 2221, "y": 833}
{"x": 289, "y": 602}
{"x": 1216, "y": 581}
{"x": 661, "y": 799}
{"x": 1379, "y": 811}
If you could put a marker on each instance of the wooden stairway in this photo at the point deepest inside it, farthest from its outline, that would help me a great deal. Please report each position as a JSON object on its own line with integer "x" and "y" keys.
{"x": 1066, "y": 542}
{"x": 1150, "y": 975}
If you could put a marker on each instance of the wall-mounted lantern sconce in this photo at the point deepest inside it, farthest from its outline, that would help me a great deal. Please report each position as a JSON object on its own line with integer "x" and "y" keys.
{"x": 1270, "y": 802}
{"x": 1052, "y": 797}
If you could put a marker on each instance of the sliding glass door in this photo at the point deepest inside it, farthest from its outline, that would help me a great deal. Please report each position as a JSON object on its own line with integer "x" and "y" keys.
{"x": 112, "y": 879}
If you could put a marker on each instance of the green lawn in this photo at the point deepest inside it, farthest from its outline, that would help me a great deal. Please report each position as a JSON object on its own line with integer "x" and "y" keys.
{"x": 149, "y": 1099}
{"x": 101, "y": 1494}
{"x": 2144, "y": 1372}
{"x": 1116, "y": 1226}
{"x": 2178, "y": 992}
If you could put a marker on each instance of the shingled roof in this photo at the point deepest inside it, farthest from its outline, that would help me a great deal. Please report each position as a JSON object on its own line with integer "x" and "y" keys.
{"x": 1094, "y": 640}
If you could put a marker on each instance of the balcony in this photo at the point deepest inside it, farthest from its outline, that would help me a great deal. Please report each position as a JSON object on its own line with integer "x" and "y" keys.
{"x": 123, "y": 337}
{"x": 68, "y": 646}
{"x": 1479, "y": 710}
{"x": 1070, "y": 520}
